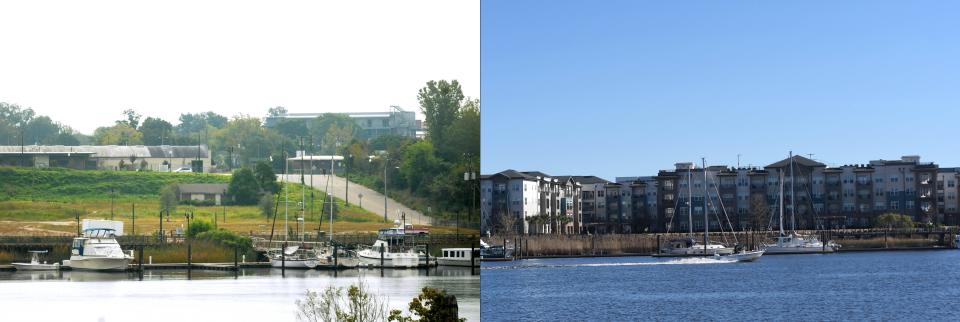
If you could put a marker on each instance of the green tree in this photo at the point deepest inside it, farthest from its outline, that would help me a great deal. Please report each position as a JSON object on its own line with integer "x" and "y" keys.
{"x": 133, "y": 118}
{"x": 420, "y": 165}
{"x": 153, "y": 129}
{"x": 464, "y": 133}
{"x": 249, "y": 140}
{"x": 168, "y": 198}
{"x": 266, "y": 178}
{"x": 244, "y": 188}
{"x": 329, "y": 127}
{"x": 432, "y": 305}
{"x": 119, "y": 134}
{"x": 277, "y": 111}
{"x": 894, "y": 220}
{"x": 440, "y": 102}
{"x": 41, "y": 130}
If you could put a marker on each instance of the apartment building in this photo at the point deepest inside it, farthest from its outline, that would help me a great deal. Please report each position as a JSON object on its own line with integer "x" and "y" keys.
{"x": 530, "y": 202}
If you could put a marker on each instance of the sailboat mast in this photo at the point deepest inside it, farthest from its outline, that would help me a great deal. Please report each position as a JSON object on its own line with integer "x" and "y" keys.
{"x": 690, "y": 199}
{"x": 286, "y": 195}
{"x": 793, "y": 198}
{"x": 781, "y": 204}
{"x": 706, "y": 225}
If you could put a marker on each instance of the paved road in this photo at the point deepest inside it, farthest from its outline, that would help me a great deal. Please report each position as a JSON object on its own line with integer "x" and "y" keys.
{"x": 372, "y": 200}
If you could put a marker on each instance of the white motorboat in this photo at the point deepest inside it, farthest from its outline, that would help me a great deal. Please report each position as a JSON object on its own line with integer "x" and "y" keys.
{"x": 98, "y": 250}
{"x": 457, "y": 257}
{"x": 381, "y": 252}
{"x": 295, "y": 257}
{"x": 742, "y": 256}
{"x": 35, "y": 264}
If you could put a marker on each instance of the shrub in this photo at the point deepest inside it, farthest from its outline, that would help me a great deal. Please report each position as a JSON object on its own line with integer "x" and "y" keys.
{"x": 227, "y": 239}
{"x": 198, "y": 226}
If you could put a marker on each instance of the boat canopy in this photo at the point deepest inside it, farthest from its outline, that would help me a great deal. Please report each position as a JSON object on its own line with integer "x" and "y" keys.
{"x": 291, "y": 249}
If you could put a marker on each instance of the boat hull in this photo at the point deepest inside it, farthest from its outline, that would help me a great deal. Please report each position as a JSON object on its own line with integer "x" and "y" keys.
{"x": 100, "y": 263}
{"x": 454, "y": 262}
{"x": 777, "y": 250}
{"x": 295, "y": 263}
{"x": 404, "y": 260}
{"x": 35, "y": 267}
{"x": 744, "y": 256}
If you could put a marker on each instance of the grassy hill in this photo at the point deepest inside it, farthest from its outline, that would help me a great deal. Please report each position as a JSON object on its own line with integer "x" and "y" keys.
{"x": 46, "y": 201}
{"x": 57, "y": 184}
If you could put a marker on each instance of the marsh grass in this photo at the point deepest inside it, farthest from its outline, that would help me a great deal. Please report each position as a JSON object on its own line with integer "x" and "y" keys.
{"x": 891, "y": 242}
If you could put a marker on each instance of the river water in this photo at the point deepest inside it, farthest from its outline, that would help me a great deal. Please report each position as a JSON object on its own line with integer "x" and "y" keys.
{"x": 168, "y": 295}
{"x": 907, "y": 286}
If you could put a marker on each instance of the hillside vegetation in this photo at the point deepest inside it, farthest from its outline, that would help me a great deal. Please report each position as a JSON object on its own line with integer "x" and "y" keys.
{"x": 58, "y": 184}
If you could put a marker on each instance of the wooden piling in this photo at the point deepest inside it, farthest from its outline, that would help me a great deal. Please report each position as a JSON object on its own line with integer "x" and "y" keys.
{"x": 283, "y": 260}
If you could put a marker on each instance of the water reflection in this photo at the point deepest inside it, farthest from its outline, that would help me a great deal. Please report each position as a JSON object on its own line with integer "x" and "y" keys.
{"x": 252, "y": 294}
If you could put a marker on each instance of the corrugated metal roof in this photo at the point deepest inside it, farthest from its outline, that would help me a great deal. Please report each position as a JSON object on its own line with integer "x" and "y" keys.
{"x": 114, "y": 151}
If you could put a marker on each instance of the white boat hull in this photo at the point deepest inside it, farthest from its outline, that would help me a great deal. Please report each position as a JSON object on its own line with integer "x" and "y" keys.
{"x": 454, "y": 262}
{"x": 773, "y": 249}
{"x": 36, "y": 267}
{"x": 371, "y": 258}
{"x": 744, "y": 256}
{"x": 100, "y": 263}
{"x": 295, "y": 263}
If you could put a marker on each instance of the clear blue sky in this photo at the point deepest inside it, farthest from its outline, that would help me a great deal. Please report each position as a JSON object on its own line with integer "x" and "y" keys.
{"x": 622, "y": 88}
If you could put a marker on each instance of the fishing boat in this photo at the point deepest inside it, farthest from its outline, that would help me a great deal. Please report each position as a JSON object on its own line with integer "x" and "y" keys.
{"x": 35, "y": 264}
{"x": 98, "y": 249}
{"x": 391, "y": 244}
{"x": 456, "y": 257}
{"x": 794, "y": 243}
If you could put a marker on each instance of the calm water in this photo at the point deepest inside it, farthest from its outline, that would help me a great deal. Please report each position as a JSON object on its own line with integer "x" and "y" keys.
{"x": 915, "y": 286}
{"x": 167, "y": 295}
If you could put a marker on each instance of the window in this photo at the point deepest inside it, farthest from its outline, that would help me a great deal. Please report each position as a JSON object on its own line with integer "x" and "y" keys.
{"x": 386, "y": 123}
{"x": 950, "y": 184}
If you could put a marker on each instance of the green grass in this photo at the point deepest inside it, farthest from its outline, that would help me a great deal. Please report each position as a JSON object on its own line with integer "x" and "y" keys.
{"x": 68, "y": 185}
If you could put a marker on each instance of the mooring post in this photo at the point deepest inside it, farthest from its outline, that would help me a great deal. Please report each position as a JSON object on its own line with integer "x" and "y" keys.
{"x": 140, "y": 262}
{"x": 236, "y": 263}
{"x": 472, "y": 258}
{"x": 657, "y": 251}
{"x": 381, "y": 257}
{"x": 189, "y": 259}
{"x": 428, "y": 259}
{"x": 283, "y": 260}
{"x": 336, "y": 265}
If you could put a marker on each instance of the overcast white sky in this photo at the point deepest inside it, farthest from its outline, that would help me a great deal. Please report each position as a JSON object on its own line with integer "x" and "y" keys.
{"x": 83, "y": 62}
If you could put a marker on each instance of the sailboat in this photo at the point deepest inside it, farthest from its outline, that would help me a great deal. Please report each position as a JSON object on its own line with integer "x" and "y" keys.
{"x": 294, "y": 256}
{"x": 795, "y": 243}
{"x": 689, "y": 246}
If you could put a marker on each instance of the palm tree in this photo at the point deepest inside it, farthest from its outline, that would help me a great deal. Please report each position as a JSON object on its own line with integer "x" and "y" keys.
{"x": 562, "y": 221}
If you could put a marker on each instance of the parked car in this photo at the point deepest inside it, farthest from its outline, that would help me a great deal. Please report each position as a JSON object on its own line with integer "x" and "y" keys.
{"x": 183, "y": 170}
